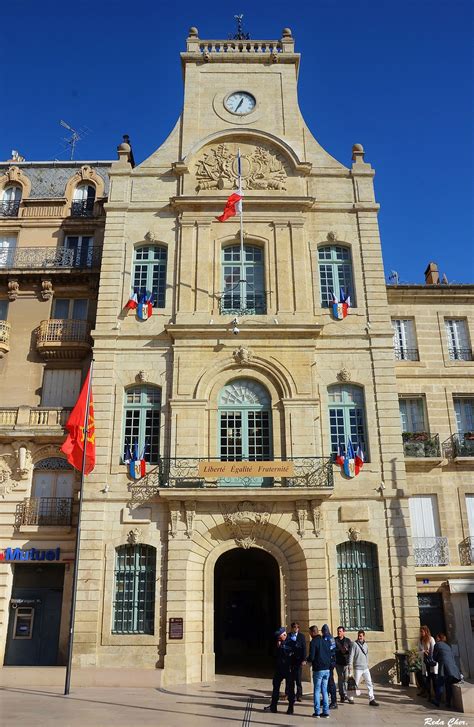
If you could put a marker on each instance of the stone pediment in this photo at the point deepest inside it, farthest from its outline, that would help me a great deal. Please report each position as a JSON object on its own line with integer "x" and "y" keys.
{"x": 261, "y": 167}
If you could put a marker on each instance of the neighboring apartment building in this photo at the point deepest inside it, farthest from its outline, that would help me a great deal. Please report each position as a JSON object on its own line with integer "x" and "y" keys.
{"x": 433, "y": 331}
{"x": 178, "y": 568}
{"x": 51, "y": 230}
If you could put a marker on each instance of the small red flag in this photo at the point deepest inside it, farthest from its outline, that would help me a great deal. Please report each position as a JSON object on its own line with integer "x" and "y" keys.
{"x": 230, "y": 209}
{"x": 73, "y": 447}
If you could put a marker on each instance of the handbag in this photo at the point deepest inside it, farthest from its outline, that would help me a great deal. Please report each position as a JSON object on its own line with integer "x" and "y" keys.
{"x": 429, "y": 662}
{"x": 352, "y": 686}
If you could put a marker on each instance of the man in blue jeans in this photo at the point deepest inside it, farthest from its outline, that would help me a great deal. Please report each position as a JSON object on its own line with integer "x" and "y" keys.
{"x": 320, "y": 659}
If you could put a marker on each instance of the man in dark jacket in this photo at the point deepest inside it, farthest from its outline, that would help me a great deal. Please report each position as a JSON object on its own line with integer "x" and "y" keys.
{"x": 448, "y": 672}
{"x": 343, "y": 647}
{"x": 320, "y": 659}
{"x": 332, "y": 691}
{"x": 285, "y": 668}
{"x": 299, "y": 645}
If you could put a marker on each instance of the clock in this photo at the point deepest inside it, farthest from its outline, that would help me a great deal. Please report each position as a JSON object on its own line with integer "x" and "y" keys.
{"x": 240, "y": 103}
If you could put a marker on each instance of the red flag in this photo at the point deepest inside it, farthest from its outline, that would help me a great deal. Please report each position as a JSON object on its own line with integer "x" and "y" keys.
{"x": 73, "y": 447}
{"x": 230, "y": 209}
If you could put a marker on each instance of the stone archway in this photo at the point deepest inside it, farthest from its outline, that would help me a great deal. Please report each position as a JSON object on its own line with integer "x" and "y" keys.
{"x": 246, "y": 611}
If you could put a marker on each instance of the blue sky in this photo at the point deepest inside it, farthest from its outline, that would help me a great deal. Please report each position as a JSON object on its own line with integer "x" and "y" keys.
{"x": 395, "y": 76}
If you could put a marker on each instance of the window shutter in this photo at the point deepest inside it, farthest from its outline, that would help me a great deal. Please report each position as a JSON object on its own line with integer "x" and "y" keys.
{"x": 424, "y": 516}
{"x": 61, "y": 387}
{"x": 43, "y": 484}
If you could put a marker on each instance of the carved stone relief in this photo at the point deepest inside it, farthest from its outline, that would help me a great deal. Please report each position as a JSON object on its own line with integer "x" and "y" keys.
{"x": 134, "y": 536}
{"x": 47, "y": 291}
{"x": 142, "y": 376}
{"x": 24, "y": 461}
{"x": 13, "y": 289}
{"x": 331, "y": 237}
{"x": 175, "y": 511}
{"x": 261, "y": 167}
{"x": 301, "y": 513}
{"x": 344, "y": 375}
{"x": 242, "y": 355}
{"x": 354, "y": 534}
{"x": 246, "y": 521}
{"x": 317, "y": 516}
{"x": 190, "y": 512}
{"x": 7, "y": 484}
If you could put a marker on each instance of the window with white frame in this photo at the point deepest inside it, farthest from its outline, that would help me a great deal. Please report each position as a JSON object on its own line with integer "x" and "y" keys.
{"x": 149, "y": 272}
{"x": 70, "y": 308}
{"x": 52, "y": 492}
{"x": 335, "y": 272}
{"x": 459, "y": 346}
{"x": 347, "y": 417}
{"x": 142, "y": 421}
{"x": 464, "y": 410}
{"x": 81, "y": 247}
{"x": 10, "y": 202}
{"x": 83, "y": 200}
{"x": 430, "y": 548}
{"x": 404, "y": 339}
{"x": 412, "y": 414}
{"x": 7, "y": 250}
{"x": 252, "y": 288}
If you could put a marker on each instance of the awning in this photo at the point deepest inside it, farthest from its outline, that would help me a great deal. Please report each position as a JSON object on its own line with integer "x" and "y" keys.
{"x": 458, "y": 585}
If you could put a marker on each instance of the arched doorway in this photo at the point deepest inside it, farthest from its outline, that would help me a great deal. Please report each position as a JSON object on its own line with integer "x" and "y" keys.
{"x": 246, "y": 611}
{"x": 245, "y": 426}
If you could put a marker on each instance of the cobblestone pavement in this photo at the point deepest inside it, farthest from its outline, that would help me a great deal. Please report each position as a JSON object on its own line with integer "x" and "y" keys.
{"x": 228, "y": 701}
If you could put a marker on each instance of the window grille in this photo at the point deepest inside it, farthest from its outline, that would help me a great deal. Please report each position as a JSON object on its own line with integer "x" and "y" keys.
{"x": 404, "y": 339}
{"x": 149, "y": 272}
{"x": 335, "y": 272}
{"x": 459, "y": 348}
{"x": 346, "y": 418}
{"x": 134, "y": 590}
{"x": 142, "y": 420}
{"x": 359, "y": 586}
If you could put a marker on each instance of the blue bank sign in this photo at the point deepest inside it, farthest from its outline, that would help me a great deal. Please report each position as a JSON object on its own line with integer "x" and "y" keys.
{"x": 18, "y": 554}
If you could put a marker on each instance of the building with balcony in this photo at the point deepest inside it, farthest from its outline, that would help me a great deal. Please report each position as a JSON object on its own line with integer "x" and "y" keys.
{"x": 436, "y": 399}
{"x": 50, "y": 253}
{"x": 240, "y": 387}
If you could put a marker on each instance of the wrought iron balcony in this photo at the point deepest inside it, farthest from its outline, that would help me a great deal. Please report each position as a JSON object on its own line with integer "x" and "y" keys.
{"x": 44, "y": 511}
{"x": 431, "y": 551}
{"x": 406, "y": 354}
{"x": 460, "y": 354}
{"x": 41, "y": 258}
{"x": 9, "y": 208}
{"x": 421, "y": 444}
{"x": 255, "y": 304}
{"x": 314, "y": 473}
{"x": 63, "y": 338}
{"x": 462, "y": 444}
{"x": 83, "y": 208}
{"x": 466, "y": 551}
{"x": 4, "y": 338}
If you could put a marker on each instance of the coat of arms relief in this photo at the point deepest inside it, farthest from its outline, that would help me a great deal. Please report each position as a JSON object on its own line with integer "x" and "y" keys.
{"x": 261, "y": 168}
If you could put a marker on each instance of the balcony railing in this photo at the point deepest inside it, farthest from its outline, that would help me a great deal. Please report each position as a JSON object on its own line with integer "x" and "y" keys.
{"x": 406, "y": 354}
{"x": 41, "y": 258}
{"x": 83, "y": 208}
{"x": 44, "y": 511}
{"x": 460, "y": 354}
{"x": 10, "y": 208}
{"x": 466, "y": 551}
{"x": 255, "y": 304}
{"x": 63, "y": 339}
{"x": 315, "y": 473}
{"x": 8, "y": 417}
{"x": 462, "y": 444}
{"x": 37, "y": 417}
{"x": 421, "y": 444}
{"x": 4, "y": 338}
{"x": 431, "y": 551}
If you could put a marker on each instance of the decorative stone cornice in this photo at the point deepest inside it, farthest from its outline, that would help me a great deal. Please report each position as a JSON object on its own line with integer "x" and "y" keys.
{"x": 246, "y": 520}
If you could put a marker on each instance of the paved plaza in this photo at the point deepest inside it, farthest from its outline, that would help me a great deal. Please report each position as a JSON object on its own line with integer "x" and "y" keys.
{"x": 229, "y": 701}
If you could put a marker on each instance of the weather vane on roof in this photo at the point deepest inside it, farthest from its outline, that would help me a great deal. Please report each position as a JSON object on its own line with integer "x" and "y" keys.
{"x": 240, "y": 35}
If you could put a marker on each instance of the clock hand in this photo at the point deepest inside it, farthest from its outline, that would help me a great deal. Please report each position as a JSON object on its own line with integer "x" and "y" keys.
{"x": 240, "y": 104}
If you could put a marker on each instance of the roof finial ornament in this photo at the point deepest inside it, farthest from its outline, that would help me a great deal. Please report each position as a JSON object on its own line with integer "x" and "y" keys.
{"x": 240, "y": 35}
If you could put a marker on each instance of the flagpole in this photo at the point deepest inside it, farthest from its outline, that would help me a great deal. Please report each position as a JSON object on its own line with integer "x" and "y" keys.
{"x": 67, "y": 684}
{"x": 241, "y": 214}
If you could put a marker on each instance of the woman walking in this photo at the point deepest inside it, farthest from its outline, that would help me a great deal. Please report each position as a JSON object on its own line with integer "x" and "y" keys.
{"x": 429, "y": 668}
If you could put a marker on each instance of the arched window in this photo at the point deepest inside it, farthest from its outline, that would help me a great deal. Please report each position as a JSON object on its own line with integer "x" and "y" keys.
{"x": 11, "y": 199}
{"x": 83, "y": 200}
{"x": 142, "y": 420}
{"x": 335, "y": 272}
{"x": 359, "y": 586}
{"x": 134, "y": 590}
{"x": 52, "y": 493}
{"x": 248, "y": 297}
{"x": 149, "y": 272}
{"x": 346, "y": 417}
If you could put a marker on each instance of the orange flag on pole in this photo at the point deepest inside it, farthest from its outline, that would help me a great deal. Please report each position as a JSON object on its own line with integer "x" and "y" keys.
{"x": 80, "y": 420}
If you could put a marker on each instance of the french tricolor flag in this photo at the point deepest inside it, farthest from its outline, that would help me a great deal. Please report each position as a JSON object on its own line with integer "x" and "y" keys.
{"x": 132, "y": 301}
{"x": 359, "y": 459}
{"x": 340, "y": 307}
{"x": 136, "y": 463}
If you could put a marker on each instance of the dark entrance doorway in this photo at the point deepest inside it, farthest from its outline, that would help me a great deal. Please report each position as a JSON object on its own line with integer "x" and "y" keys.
{"x": 246, "y": 611}
{"x": 432, "y": 612}
{"x": 35, "y": 616}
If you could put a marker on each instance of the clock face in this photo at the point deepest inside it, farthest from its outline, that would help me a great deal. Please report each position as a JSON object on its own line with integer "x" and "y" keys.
{"x": 240, "y": 103}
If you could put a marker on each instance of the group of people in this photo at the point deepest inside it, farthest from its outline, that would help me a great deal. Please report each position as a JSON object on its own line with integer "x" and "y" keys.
{"x": 439, "y": 670}
{"x": 349, "y": 659}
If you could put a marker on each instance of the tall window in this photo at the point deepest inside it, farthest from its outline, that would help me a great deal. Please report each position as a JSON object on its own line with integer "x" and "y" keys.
{"x": 134, "y": 590}
{"x": 7, "y": 250}
{"x": 253, "y": 287}
{"x": 346, "y": 417}
{"x": 335, "y": 272}
{"x": 429, "y": 547}
{"x": 83, "y": 200}
{"x": 359, "y": 586}
{"x": 142, "y": 420}
{"x": 10, "y": 202}
{"x": 52, "y": 489}
{"x": 81, "y": 248}
{"x": 404, "y": 339}
{"x": 464, "y": 410}
{"x": 459, "y": 347}
{"x": 412, "y": 414}
{"x": 149, "y": 272}
{"x": 3, "y": 310}
{"x": 70, "y": 308}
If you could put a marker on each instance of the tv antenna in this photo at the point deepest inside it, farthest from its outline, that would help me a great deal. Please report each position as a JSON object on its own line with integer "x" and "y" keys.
{"x": 72, "y": 140}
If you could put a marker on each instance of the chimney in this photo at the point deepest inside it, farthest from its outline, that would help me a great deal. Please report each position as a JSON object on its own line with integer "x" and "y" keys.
{"x": 432, "y": 274}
